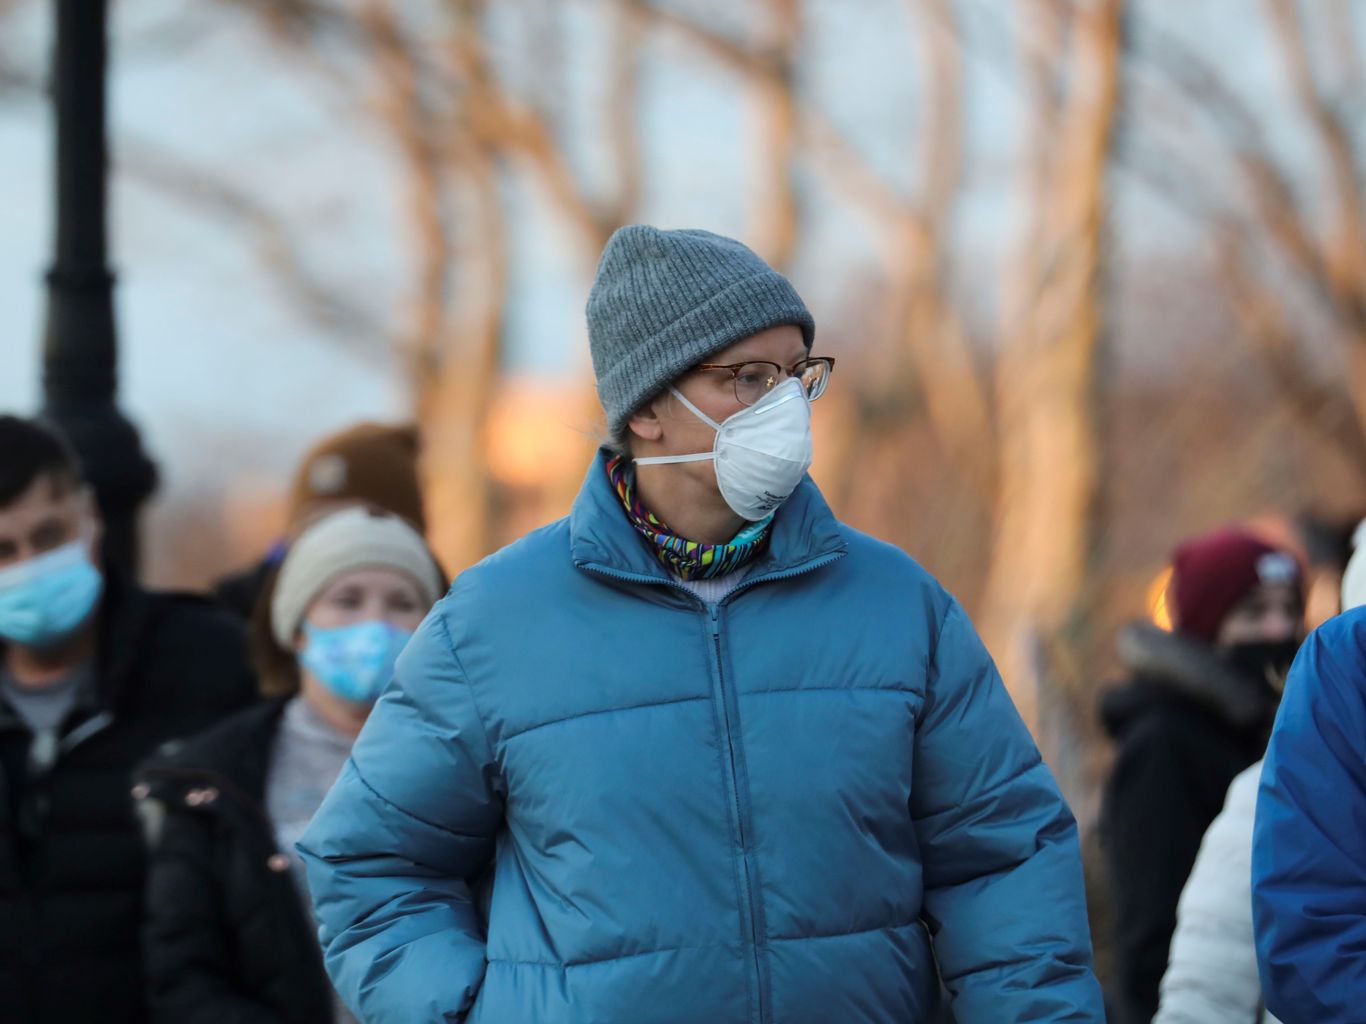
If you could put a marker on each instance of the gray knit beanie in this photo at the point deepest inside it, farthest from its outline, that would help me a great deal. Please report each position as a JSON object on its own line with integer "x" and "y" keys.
{"x": 664, "y": 301}
{"x": 354, "y": 538}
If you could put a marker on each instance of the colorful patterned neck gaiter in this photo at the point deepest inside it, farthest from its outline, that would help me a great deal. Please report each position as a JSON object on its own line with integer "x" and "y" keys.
{"x": 686, "y": 559}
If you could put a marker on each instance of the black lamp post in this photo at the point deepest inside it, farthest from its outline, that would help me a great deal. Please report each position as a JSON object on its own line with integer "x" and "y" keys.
{"x": 80, "y": 352}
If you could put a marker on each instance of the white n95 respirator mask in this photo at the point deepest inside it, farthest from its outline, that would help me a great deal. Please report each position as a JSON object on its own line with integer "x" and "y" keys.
{"x": 761, "y": 452}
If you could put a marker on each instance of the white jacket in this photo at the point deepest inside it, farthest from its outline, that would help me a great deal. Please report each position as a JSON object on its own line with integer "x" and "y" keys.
{"x": 1212, "y": 973}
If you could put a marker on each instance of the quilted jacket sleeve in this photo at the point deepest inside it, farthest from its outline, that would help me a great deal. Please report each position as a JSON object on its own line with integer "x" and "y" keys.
{"x": 1002, "y": 868}
{"x": 1212, "y": 976}
{"x": 394, "y": 848}
{"x": 1309, "y": 841}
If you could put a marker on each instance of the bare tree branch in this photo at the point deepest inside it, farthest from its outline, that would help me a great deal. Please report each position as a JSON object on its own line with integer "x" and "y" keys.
{"x": 506, "y": 126}
{"x": 761, "y": 63}
{"x": 455, "y": 401}
{"x": 942, "y": 113}
{"x": 327, "y": 304}
{"x": 1345, "y": 261}
{"x": 623, "y": 117}
{"x": 831, "y": 154}
{"x": 1269, "y": 195}
{"x": 956, "y": 391}
{"x": 774, "y": 145}
{"x": 1345, "y": 42}
{"x": 414, "y": 127}
{"x": 933, "y": 352}
{"x": 1042, "y": 565}
{"x": 19, "y": 81}
{"x": 1322, "y": 407}
{"x": 306, "y": 22}
{"x": 770, "y": 70}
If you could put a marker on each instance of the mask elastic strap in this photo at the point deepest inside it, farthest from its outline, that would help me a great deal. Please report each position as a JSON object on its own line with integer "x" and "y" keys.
{"x": 660, "y": 460}
{"x": 695, "y": 410}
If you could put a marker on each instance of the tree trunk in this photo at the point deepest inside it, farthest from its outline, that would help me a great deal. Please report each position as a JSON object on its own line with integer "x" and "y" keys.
{"x": 1045, "y": 375}
{"x": 455, "y": 405}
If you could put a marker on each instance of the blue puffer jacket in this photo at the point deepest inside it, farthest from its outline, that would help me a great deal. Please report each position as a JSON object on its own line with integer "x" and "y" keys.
{"x": 1309, "y": 841}
{"x": 749, "y": 814}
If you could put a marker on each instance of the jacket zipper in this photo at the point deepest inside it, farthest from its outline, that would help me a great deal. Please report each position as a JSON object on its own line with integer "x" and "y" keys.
{"x": 751, "y": 897}
{"x": 758, "y": 931}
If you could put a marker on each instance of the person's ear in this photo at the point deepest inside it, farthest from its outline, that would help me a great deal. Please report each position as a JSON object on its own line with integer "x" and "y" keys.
{"x": 646, "y": 422}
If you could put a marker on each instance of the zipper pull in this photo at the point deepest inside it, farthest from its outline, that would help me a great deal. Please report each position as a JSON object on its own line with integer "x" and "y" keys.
{"x": 43, "y": 750}
{"x": 715, "y": 610}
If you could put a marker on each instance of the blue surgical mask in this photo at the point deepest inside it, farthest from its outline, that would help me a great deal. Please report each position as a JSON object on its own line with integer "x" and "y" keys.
{"x": 356, "y": 661}
{"x": 44, "y": 599}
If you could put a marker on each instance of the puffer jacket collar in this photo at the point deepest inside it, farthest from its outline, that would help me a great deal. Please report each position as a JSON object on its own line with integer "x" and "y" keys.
{"x": 805, "y": 534}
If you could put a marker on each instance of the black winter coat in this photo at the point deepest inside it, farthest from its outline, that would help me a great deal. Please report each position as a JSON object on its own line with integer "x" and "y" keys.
{"x": 71, "y": 851}
{"x": 1185, "y": 725}
{"x": 227, "y": 940}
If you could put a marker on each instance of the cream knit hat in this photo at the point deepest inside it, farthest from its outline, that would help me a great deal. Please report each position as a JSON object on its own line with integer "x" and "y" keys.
{"x": 353, "y": 538}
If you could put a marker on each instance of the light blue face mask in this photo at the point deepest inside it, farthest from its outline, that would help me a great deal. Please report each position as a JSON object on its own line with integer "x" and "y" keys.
{"x": 44, "y": 599}
{"x": 356, "y": 661}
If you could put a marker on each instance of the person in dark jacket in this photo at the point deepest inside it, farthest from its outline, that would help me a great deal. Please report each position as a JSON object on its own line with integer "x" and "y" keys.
{"x": 229, "y": 934}
{"x": 95, "y": 673}
{"x": 732, "y": 761}
{"x": 367, "y": 464}
{"x": 1196, "y": 713}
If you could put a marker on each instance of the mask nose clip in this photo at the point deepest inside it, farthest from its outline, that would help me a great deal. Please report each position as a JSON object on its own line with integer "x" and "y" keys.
{"x": 762, "y": 409}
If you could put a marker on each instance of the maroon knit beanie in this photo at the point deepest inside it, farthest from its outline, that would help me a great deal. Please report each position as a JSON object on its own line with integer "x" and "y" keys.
{"x": 1213, "y": 572}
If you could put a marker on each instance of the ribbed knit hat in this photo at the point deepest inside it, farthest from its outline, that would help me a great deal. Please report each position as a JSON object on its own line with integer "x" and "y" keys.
{"x": 354, "y": 538}
{"x": 1213, "y": 572}
{"x": 664, "y": 301}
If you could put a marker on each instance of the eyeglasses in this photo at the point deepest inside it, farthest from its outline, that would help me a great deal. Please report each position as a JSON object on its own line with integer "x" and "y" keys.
{"x": 758, "y": 377}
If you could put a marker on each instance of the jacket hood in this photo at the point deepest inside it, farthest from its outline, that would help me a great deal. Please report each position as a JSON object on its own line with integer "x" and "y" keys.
{"x": 1171, "y": 666}
{"x": 804, "y": 531}
{"x": 236, "y": 749}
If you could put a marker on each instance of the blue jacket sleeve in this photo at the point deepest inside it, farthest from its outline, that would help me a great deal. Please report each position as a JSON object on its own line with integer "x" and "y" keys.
{"x": 1004, "y": 897}
{"x": 1309, "y": 841}
{"x": 394, "y": 849}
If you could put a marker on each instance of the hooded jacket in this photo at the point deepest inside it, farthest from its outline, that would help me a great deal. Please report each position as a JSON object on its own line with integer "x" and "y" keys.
{"x": 227, "y": 936}
{"x": 1309, "y": 841}
{"x": 759, "y": 811}
{"x": 1185, "y": 725}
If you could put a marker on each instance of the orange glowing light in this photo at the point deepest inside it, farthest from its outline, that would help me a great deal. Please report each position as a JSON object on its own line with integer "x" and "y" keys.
{"x": 1158, "y": 609}
{"x": 536, "y": 428}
